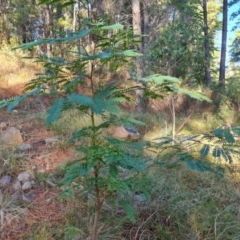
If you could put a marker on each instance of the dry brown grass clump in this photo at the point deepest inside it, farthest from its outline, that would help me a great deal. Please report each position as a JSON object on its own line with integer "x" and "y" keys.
{"x": 15, "y": 70}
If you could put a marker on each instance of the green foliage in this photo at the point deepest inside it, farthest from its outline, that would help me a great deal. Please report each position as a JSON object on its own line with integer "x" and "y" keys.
{"x": 107, "y": 166}
{"x": 199, "y": 152}
{"x": 158, "y": 85}
{"x": 11, "y": 103}
{"x": 129, "y": 210}
{"x": 233, "y": 87}
{"x": 219, "y": 144}
{"x": 175, "y": 48}
{"x": 104, "y": 160}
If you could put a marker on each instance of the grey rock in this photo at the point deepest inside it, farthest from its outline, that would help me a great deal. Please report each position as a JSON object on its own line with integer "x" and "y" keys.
{"x": 17, "y": 196}
{"x": 5, "y": 180}
{"x": 17, "y": 185}
{"x": 124, "y": 133}
{"x": 3, "y": 125}
{"x": 139, "y": 199}
{"x": 24, "y": 177}
{"x": 26, "y": 186}
{"x": 11, "y": 137}
{"x": 119, "y": 132}
{"x": 29, "y": 197}
{"x": 24, "y": 147}
{"x": 51, "y": 140}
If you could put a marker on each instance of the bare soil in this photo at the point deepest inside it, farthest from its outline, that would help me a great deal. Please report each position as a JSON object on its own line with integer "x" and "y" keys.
{"x": 45, "y": 211}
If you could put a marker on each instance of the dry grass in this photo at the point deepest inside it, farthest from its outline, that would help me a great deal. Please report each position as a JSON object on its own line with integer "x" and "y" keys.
{"x": 15, "y": 71}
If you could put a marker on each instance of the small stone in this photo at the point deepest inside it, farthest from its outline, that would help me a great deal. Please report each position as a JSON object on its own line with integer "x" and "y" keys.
{"x": 52, "y": 140}
{"x": 119, "y": 132}
{"x": 24, "y": 176}
{"x": 24, "y": 147}
{"x": 17, "y": 196}
{"x": 17, "y": 185}
{"x": 3, "y": 125}
{"x": 12, "y": 137}
{"x": 29, "y": 197}
{"x": 139, "y": 199}
{"x": 26, "y": 186}
{"x": 5, "y": 180}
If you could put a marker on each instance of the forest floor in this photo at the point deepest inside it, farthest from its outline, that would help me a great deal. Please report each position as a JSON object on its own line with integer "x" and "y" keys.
{"x": 48, "y": 217}
{"x": 45, "y": 210}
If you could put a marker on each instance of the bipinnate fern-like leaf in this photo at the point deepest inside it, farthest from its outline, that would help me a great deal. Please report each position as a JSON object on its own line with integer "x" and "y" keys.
{"x": 205, "y": 150}
{"x": 224, "y": 133}
{"x": 81, "y": 99}
{"x": 227, "y": 156}
{"x": 193, "y": 94}
{"x": 169, "y": 84}
{"x": 55, "y": 111}
{"x": 69, "y": 86}
{"x": 216, "y": 152}
{"x": 6, "y": 102}
{"x": 126, "y": 144}
{"x": 81, "y": 133}
{"x": 113, "y": 170}
{"x": 220, "y": 143}
{"x": 75, "y": 36}
{"x": 218, "y": 132}
{"x": 102, "y": 105}
{"x": 11, "y": 103}
{"x": 132, "y": 163}
{"x": 130, "y": 211}
{"x": 130, "y": 122}
{"x": 229, "y": 136}
{"x": 76, "y": 170}
{"x": 201, "y": 166}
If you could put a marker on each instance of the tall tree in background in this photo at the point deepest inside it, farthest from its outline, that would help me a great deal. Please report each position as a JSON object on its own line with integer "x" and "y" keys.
{"x": 175, "y": 48}
{"x": 137, "y": 26}
{"x": 235, "y": 47}
{"x": 206, "y": 44}
{"x": 145, "y": 25}
{"x": 222, "y": 68}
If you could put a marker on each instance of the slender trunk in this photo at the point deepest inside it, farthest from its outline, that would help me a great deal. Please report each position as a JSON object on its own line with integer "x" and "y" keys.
{"x": 97, "y": 207}
{"x": 146, "y": 25}
{"x": 136, "y": 22}
{"x": 98, "y": 202}
{"x": 48, "y": 28}
{"x": 173, "y": 120}
{"x": 208, "y": 79}
{"x": 75, "y": 8}
{"x": 222, "y": 68}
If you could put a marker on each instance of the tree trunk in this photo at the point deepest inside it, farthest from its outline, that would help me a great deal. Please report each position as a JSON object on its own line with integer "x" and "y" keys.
{"x": 145, "y": 25}
{"x": 48, "y": 28}
{"x": 208, "y": 79}
{"x": 136, "y": 22}
{"x": 223, "y": 46}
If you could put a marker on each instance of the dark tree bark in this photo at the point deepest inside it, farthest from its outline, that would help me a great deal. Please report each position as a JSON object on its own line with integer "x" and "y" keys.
{"x": 222, "y": 68}
{"x": 208, "y": 79}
